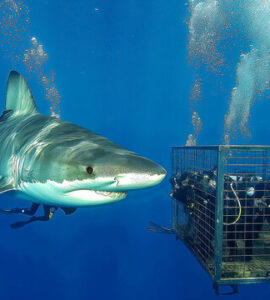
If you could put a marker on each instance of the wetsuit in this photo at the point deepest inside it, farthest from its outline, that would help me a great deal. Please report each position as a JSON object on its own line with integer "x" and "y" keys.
{"x": 48, "y": 213}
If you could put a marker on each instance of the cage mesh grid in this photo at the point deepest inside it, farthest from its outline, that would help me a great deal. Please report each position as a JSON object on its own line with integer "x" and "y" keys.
{"x": 246, "y": 232}
{"x": 238, "y": 249}
{"x": 194, "y": 219}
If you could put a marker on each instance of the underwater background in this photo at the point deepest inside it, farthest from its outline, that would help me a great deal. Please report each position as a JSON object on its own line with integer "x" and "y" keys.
{"x": 145, "y": 74}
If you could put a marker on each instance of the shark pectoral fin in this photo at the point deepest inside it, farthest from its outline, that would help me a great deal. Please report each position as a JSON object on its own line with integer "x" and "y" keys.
{"x": 6, "y": 185}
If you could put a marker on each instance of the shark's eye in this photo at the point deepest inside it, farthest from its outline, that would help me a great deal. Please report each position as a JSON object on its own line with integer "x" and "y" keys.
{"x": 89, "y": 170}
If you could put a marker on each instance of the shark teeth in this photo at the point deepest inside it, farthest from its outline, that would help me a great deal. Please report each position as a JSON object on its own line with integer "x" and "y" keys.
{"x": 96, "y": 195}
{"x": 106, "y": 193}
{"x": 103, "y": 193}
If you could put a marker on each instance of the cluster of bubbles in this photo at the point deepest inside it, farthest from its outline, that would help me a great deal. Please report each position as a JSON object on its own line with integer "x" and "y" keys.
{"x": 196, "y": 121}
{"x": 36, "y": 57}
{"x": 52, "y": 94}
{"x": 197, "y": 126}
{"x": 206, "y": 27}
{"x": 34, "y": 60}
{"x": 14, "y": 23}
{"x": 14, "y": 26}
{"x": 215, "y": 26}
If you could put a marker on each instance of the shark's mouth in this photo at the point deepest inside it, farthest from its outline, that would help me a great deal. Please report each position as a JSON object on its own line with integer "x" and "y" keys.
{"x": 97, "y": 195}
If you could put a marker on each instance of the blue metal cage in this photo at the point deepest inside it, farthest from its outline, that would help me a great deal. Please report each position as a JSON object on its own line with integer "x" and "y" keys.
{"x": 221, "y": 209}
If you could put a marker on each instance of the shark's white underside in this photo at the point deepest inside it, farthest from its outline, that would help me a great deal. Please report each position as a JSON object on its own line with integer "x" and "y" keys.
{"x": 76, "y": 194}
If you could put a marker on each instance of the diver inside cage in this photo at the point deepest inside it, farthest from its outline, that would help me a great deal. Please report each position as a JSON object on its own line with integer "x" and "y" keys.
{"x": 183, "y": 190}
{"x": 185, "y": 184}
{"x": 48, "y": 213}
{"x": 252, "y": 195}
{"x": 246, "y": 204}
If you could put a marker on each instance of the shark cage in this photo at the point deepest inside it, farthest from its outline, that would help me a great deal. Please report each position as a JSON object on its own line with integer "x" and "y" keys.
{"x": 221, "y": 210}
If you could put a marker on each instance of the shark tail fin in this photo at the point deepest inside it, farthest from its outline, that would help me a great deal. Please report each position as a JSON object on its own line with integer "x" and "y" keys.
{"x": 19, "y": 98}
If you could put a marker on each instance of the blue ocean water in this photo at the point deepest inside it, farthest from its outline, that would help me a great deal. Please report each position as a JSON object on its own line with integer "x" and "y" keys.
{"x": 121, "y": 68}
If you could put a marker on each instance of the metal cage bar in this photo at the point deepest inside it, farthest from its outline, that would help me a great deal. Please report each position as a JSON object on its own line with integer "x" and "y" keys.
{"x": 219, "y": 216}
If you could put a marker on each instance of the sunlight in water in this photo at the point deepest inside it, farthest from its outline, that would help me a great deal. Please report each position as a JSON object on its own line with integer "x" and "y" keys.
{"x": 216, "y": 25}
{"x": 14, "y": 26}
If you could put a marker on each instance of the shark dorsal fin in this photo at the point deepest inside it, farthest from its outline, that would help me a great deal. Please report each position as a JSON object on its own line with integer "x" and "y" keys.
{"x": 19, "y": 98}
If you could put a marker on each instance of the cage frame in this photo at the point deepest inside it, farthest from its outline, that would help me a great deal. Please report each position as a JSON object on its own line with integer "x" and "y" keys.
{"x": 219, "y": 201}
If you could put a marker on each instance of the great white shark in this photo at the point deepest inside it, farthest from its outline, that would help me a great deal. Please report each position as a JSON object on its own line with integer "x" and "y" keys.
{"x": 53, "y": 162}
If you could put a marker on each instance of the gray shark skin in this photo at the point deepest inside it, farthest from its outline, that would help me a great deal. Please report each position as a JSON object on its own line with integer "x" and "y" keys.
{"x": 50, "y": 161}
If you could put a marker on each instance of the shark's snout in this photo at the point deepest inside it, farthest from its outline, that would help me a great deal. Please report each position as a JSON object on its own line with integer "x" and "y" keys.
{"x": 138, "y": 174}
{"x": 137, "y": 181}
